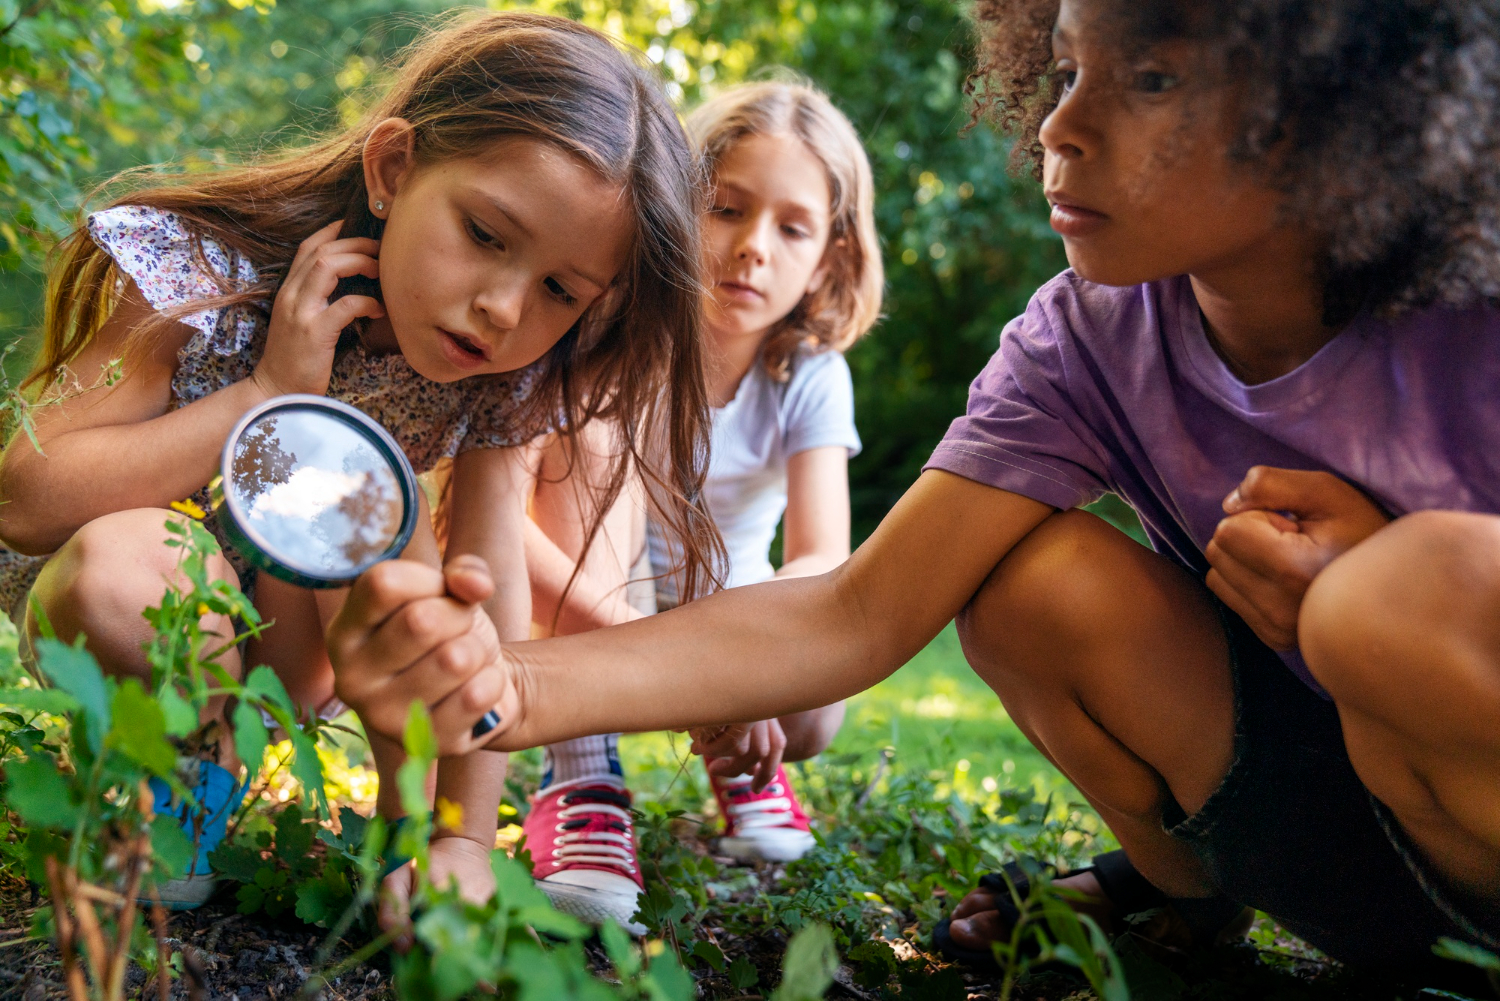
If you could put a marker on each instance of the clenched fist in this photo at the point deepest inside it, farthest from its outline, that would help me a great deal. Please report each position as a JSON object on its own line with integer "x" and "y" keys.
{"x": 410, "y": 632}
{"x": 1283, "y": 526}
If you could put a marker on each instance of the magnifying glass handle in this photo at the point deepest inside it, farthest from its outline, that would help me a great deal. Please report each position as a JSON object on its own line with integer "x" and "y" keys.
{"x": 487, "y": 722}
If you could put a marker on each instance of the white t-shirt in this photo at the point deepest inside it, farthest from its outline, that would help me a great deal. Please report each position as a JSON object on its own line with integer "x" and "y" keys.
{"x": 754, "y": 434}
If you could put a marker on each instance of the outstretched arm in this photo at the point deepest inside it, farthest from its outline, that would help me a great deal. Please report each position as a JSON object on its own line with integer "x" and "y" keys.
{"x": 755, "y": 652}
{"x": 745, "y": 654}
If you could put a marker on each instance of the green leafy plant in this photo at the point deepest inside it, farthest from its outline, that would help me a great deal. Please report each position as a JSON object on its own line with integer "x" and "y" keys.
{"x": 79, "y": 748}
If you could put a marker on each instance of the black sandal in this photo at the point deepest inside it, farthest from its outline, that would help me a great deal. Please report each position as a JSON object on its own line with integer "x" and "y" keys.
{"x": 1124, "y": 888}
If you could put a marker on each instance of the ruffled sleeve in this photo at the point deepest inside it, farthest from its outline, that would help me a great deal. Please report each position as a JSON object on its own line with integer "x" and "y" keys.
{"x": 499, "y": 419}
{"x": 156, "y": 251}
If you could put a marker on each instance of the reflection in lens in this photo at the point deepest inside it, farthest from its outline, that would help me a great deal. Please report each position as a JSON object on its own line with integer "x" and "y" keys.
{"x": 320, "y": 496}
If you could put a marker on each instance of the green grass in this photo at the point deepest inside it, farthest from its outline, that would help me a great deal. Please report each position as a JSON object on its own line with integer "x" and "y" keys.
{"x": 935, "y": 714}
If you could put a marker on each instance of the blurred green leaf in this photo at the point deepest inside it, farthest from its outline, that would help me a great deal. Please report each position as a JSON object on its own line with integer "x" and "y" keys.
{"x": 38, "y": 790}
{"x": 808, "y": 967}
{"x": 74, "y": 670}
{"x": 140, "y": 731}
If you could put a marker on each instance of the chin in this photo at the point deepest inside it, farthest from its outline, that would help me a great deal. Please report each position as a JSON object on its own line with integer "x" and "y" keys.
{"x": 1107, "y": 269}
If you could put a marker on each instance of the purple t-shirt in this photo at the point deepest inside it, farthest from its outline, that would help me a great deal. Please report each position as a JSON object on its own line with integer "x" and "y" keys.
{"x": 1098, "y": 389}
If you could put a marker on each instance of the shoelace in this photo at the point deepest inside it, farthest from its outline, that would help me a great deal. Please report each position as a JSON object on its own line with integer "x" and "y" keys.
{"x": 771, "y": 808}
{"x": 594, "y": 830}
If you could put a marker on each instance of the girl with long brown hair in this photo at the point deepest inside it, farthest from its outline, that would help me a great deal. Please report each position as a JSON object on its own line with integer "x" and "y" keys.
{"x": 521, "y": 211}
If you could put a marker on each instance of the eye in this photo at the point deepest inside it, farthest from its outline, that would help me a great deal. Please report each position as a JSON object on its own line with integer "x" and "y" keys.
{"x": 481, "y": 236}
{"x": 727, "y": 211}
{"x": 796, "y": 232}
{"x": 555, "y": 287}
{"x": 1155, "y": 82}
{"x": 1069, "y": 79}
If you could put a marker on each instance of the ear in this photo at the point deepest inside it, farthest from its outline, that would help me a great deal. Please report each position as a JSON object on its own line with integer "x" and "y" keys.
{"x": 820, "y": 274}
{"x": 390, "y": 153}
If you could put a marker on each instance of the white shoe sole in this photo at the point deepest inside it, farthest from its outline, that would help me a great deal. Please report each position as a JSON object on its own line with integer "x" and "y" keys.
{"x": 594, "y": 906}
{"x": 784, "y": 846}
{"x": 185, "y": 894}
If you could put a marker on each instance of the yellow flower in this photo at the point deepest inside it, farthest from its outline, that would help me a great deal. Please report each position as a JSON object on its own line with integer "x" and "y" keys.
{"x": 203, "y": 609}
{"x": 190, "y": 509}
{"x": 450, "y": 815}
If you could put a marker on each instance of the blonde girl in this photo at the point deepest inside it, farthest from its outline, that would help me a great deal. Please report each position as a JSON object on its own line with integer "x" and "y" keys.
{"x": 795, "y": 279}
{"x": 521, "y": 206}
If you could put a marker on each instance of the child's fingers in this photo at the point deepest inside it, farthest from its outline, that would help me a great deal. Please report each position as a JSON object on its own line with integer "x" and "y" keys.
{"x": 395, "y": 905}
{"x": 1276, "y": 636}
{"x": 1305, "y": 493}
{"x": 1256, "y": 540}
{"x": 439, "y": 670}
{"x": 468, "y": 578}
{"x": 770, "y": 761}
{"x": 379, "y": 594}
{"x": 345, "y": 311}
{"x": 321, "y": 274}
{"x": 453, "y": 717}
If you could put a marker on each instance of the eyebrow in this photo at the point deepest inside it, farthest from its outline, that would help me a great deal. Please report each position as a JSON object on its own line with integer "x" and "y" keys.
{"x": 802, "y": 207}
{"x": 526, "y": 231}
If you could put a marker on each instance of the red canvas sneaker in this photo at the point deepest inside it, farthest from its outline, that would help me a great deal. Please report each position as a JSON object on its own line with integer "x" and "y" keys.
{"x": 768, "y": 825}
{"x": 582, "y": 846}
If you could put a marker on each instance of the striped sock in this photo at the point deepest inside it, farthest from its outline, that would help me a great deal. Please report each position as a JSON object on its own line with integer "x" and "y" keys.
{"x": 582, "y": 758}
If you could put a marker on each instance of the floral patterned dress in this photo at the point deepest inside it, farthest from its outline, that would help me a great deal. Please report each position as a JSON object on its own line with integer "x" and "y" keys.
{"x": 430, "y": 420}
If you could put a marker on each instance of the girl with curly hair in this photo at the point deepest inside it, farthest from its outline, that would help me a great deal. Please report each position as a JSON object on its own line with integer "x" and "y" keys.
{"x": 1279, "y": 342}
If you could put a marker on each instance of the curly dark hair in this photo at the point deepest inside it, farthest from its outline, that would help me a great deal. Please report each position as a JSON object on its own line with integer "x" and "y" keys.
{"x": 1384, "y": 115}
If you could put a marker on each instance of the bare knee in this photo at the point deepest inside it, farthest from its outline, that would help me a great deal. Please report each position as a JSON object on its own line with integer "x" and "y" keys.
{"x": 103, "y": 577}
{"x": 1071, "y": 586}
{"x": 1421, "y": 591}
{"x": 809, "y": 733}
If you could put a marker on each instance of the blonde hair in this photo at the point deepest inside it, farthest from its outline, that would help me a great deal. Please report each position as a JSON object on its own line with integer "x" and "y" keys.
{"x": 847, "y": 304}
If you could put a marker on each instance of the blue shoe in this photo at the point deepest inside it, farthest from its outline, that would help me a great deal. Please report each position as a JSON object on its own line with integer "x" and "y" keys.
{"x": 219, "y": 795}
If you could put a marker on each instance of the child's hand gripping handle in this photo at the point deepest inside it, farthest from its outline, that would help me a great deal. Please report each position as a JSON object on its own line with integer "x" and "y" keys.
{"x": 408, "y": 631}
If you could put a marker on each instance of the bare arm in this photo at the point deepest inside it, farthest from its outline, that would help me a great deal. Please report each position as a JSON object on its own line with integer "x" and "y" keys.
{"x": 116, "y": 447}
{"x": 113, "y": 448}
{"x": 489, "y": 491}
{"x": 815, "y": 528}
{"x": 756, "y": 652}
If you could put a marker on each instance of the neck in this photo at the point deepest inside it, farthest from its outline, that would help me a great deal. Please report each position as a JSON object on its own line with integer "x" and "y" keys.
{"x": 729, "y": 358}
{"x": 1263, "y": 313}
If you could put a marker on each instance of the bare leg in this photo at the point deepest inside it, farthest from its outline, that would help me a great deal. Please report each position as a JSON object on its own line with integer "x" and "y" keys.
{"x": 1403, "y": 631}
{"x": 567, "y": 499}
{"x": 1112, "y": 661}
{"x": 101, "y": 580}
{"x": 809, "y": 733}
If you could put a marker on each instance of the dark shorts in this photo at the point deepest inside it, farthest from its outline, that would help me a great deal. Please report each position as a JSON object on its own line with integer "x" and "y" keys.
{"x": 1293, "y": 832}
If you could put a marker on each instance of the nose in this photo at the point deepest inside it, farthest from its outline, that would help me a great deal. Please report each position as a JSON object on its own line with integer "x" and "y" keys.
{"x": 1067, "y": 132}
{"x": 751, "y": 242}
{"x": 502, "y": 301}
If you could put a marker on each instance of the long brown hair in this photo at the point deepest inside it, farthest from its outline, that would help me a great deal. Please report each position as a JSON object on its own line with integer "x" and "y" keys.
{"x": 635, "y": 358}
{"x": 847, "y": 304}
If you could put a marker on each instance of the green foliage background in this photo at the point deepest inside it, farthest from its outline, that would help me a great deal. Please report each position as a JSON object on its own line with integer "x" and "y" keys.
{"x": 88, "y": 88}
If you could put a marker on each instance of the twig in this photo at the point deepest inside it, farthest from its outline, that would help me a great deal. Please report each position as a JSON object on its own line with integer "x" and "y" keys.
{"x": 318, "y": 981}
{"x": 93, "y": 935}
{"x": 77, "y": 987}
{"x": 159, "y": 927}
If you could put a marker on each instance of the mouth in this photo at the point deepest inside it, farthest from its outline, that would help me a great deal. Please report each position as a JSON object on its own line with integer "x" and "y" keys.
{"x": 740, "y": 290}
{"x": 1072, "y": 219}
{"x": 464, "y": 350}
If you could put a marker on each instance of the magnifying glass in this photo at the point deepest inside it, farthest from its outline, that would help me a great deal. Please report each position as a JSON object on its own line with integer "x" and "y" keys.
{"x": 314, "y": 492}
